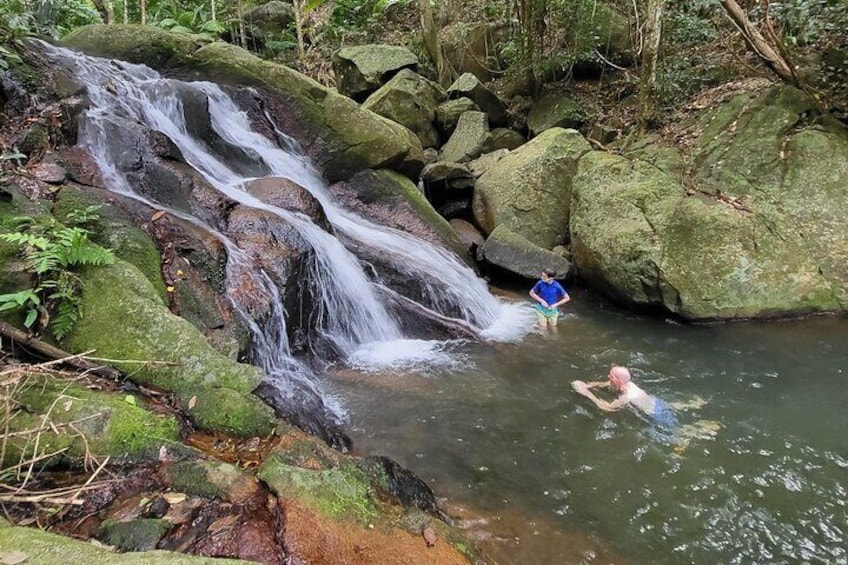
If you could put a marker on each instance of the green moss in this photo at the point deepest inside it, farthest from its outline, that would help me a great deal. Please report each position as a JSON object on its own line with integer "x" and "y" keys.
{"x": 147, "y": 45}
{"x": 217, "y": 389}
{"x": 114, "y": 229}
{"x": 136, "y": 535}
{"x": 211, "y": 479}
{"x": 339, "y": 493}
{"x": 109, "y": 423}
{"x": 45, "y": 548}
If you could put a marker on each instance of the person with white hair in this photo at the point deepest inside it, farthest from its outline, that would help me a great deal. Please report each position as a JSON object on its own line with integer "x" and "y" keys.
{"x": 629, "y": 394}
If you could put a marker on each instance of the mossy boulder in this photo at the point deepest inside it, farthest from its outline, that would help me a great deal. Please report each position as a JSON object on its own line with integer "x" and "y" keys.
{"x": 528, "y": 190}
{"x": 147, "y": 45}
{"x": 340, "y": 136}
{"x": 113, "y": 228}
{"x": 470, "y": 139}
{"x": 212, "y": 479}
{"x": 554, "y": 110}
{"x": 469, "y": 86}
{"x": 124, "y": 319}
{"x": 777, "y": 249}
{"x": 339, "y": 493}
{"x": 449, "y": 112}
{"x": 515, "y": 254}
{"x": 46, "y": 548}
{"x": 82, "y": 421}
{"x": 410, "y": 100}
{"x": 362, "y": 69}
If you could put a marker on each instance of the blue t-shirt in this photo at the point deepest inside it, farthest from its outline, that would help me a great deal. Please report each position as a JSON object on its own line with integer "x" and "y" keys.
{"x": 551, "y": 292}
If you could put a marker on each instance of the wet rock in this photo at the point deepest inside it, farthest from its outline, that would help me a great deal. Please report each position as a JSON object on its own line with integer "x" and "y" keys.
{"x": 217, "y": 388}
{"x": 390, "y": 199}
{"x": 288, "y": 195}
{"x": 400, "y": 483}
{"x": 135, "y": 535}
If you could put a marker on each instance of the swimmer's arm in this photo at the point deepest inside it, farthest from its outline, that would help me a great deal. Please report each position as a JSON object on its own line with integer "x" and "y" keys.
{"x": 616, "y": 404}
{"x": 598, "y": 384}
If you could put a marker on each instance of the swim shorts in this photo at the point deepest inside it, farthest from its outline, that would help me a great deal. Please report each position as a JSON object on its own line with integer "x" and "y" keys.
{"x": 663, "y": 415}
{"x": 547, "y": 315}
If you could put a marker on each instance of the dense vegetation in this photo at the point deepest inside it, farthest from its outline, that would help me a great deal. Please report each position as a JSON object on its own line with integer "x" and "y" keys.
{"x": 698, "y": 42}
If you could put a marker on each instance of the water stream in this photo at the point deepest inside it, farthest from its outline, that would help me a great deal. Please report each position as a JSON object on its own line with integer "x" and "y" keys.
{"x": 757, "y": 473}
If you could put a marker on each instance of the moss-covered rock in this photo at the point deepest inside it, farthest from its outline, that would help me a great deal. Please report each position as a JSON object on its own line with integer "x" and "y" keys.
{"x": 554, "y": 110}
{"x": 45, "y": 548}
{"x": 113, "y": 228}
{"x": 410, "y": 100}
{"x": 528, "y": 191}
{"x": 212, "y": 479}
{"x": 148, "y": 45}
{"x": 362, "y": 69}
{"x": 515, "y": 254}
{"x": 142, "y": 534}
{"x": 70, "y": 416}
{"x": 339, "y": 493}
{"x": 213, "y": 389}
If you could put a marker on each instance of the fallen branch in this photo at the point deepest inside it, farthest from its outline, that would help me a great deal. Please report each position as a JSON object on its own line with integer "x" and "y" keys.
{"x": 58, "y": 355}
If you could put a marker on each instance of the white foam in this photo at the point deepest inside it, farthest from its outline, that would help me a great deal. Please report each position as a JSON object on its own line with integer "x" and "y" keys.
{"x": 401, "y": 353}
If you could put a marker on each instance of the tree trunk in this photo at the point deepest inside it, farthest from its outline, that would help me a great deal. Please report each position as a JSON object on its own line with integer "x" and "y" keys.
{"x": 126, "y": 12}
{"x": 650, "y": 55}
{"x": 298, "y": 25}
{"x": 214, "y": 15}
{"x": 242, "y": 29}
{"x": 142, "y": 7}
{"x": 106, "y": 10}
{"x": 432, "y": 43}
{"x": 770, "y": 54}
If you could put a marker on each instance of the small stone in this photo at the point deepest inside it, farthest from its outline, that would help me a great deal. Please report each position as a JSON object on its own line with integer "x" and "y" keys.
{"x": 49, "y": 172}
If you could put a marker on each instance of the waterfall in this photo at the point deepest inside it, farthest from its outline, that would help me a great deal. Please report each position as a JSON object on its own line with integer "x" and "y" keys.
{"x": 350, "y": 304}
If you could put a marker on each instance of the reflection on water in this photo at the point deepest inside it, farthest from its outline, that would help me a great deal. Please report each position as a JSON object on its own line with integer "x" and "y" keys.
{"x": 758, "y": 471}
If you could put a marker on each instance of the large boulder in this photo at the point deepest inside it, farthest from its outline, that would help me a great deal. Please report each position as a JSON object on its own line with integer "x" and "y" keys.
{"x": 470, "y": 139}
{"x": 410, "y": 100}
{"x": 528, "y": 190}
{"x": 554, "y": 110}
{"x": 510, "y": 252}
{"x": 757, "y": 234}
{"x": 469, "y": 86}
{"x": 390, "y": 199}
{"x": 449, "y": 112}
{"x": 271, "y": 18}
{"x": 340, "y": 136}
{"x": 211, "y": 388}
{"x": 362, "y": 69}
{"x": 472, "y": 47}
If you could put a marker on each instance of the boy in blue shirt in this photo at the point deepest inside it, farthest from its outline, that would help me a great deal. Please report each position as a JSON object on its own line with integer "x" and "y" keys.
{"x": 549, "y": 296}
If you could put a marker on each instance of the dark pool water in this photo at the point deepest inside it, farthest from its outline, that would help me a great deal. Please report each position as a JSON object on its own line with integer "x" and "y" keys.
{"x": 757, "y": 472}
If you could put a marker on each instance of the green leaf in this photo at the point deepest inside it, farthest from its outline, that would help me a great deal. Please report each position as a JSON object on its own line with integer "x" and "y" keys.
{"x": 31, "y": 316}
{"x": 130, "y": 399}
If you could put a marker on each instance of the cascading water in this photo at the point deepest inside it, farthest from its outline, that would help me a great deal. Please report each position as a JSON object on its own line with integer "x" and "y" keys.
{"x": 349, "y": 308}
